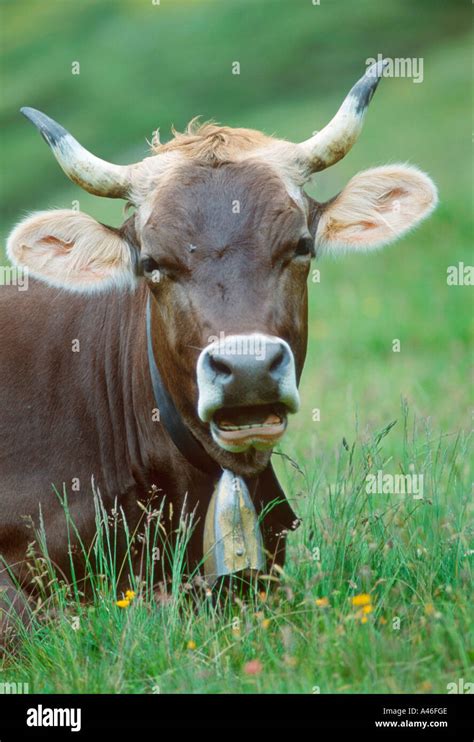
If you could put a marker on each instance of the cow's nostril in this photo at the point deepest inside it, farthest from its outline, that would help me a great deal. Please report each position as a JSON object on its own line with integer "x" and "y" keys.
{"x": 277, "y": 361}
{"x": 219, "y": 367}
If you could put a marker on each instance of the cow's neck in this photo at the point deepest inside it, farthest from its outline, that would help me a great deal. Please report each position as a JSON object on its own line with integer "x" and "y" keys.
{"x": 170, "y": 418}
{"x": 154, "y": 428}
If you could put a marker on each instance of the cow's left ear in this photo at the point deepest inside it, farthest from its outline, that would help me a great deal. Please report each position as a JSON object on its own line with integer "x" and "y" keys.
{"x": 375, "y": 208}
{"x": 71, "y": 250}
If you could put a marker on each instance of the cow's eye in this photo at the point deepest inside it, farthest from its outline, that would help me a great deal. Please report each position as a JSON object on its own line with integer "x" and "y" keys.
{"x": 304, "y": 247}
{"x": 149, "y": 266}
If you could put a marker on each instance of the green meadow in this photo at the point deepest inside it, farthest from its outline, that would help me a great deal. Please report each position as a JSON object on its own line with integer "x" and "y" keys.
{"x": 376, "y": 594}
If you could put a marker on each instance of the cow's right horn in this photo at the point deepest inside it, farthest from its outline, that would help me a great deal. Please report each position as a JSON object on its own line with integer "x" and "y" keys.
{"x": 332, "y": 143}
{"x": 90, "y": 172}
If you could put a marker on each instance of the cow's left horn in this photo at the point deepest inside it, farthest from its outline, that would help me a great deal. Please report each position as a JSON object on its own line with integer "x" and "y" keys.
{"x": 90, "y": 172}
{"x": 332, "y": 143}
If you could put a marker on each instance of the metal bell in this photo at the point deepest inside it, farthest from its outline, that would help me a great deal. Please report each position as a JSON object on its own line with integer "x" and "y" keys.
{"x": 232, "y": 537}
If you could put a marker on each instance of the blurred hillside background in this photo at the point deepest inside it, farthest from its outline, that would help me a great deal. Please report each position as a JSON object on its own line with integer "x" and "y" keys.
{"x": 144, "y": 66}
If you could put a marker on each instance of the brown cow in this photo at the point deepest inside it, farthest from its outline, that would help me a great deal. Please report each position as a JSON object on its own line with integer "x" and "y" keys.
{"x": 196, "y": 307}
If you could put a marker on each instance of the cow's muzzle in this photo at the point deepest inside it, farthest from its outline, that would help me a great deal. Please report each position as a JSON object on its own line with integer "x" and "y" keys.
{"x": 247, "y": 385}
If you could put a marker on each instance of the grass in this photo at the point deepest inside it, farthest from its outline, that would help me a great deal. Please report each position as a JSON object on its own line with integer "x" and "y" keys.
{"x": 413, "y": 557}
{"x": 408, "y": 558}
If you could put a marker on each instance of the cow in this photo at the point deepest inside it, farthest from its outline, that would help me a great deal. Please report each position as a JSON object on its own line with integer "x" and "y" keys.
{"x": 190, "y": 322}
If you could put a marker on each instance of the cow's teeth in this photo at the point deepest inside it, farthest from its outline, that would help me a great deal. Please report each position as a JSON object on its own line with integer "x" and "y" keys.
{"x": 248, "y": 427}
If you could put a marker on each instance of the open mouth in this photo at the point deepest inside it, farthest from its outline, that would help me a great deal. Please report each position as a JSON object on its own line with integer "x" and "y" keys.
{"x": 238, "y": 428}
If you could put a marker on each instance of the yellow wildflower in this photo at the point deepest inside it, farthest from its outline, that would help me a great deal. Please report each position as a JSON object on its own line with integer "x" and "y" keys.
{"x": 362, "y": 599}
{"x": 130, "y": 594}
{"x": 265, "y": 623}
{"x": 123, "y": 603}
{"x": 191, "y": 645}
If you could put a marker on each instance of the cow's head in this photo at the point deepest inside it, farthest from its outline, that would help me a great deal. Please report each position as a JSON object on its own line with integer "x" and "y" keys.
{"x": 223, "y": 234}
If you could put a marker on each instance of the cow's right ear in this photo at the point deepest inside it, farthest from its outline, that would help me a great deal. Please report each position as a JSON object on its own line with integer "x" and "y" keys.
{"x": 73, "y": 251}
